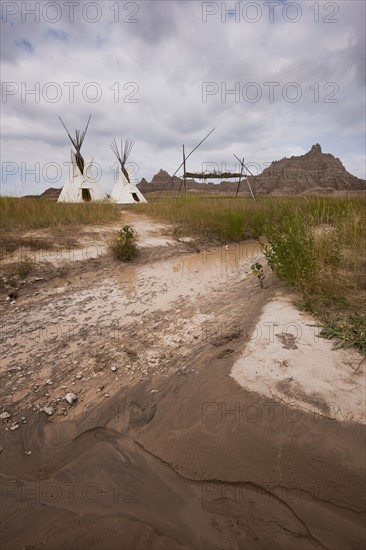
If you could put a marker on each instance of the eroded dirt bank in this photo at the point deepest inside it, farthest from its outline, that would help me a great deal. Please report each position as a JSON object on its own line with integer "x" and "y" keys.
{"x": 169, "y": 444}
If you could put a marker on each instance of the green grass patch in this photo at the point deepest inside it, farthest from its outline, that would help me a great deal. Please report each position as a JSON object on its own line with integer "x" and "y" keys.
{"x": 349, "y": 330}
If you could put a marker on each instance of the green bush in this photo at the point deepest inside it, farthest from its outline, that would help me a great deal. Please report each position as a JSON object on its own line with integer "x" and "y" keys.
{"x": 302, "y": 255}
{"x": 291, "y": 251}
{"x": 124, "y": 246}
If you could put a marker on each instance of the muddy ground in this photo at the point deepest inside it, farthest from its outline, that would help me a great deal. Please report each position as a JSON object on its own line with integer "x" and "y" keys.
{"x": 203, "y": 419}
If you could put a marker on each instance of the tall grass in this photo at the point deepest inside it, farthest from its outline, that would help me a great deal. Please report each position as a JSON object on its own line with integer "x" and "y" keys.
{"x": 20, "y": 214}
{"x": 227, "y": 218}
{"x": 221, "y": 218}
{"x": 316, "y": 245}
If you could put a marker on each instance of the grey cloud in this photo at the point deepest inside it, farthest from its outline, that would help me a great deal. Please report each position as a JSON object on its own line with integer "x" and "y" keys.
{"x": 169, "y": 54}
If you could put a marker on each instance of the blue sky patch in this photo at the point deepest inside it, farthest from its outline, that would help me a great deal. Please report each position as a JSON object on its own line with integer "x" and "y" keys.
{"x": 25, "y": 45}
{"x": 57, "y": 35}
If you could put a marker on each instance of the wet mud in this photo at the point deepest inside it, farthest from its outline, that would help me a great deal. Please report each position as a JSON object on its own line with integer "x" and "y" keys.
{"x": 163, "y": 447}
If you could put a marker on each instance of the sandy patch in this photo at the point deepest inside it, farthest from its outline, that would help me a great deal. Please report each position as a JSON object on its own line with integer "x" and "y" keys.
{"x": 287, "y": 360}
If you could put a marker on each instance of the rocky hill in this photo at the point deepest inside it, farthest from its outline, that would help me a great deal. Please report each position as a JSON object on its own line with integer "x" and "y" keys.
{"x": 52, "y": 193}
{"x": 314, "y": 172}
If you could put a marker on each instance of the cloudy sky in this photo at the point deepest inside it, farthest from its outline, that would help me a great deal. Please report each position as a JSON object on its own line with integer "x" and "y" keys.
{"x": 272, "y": 77}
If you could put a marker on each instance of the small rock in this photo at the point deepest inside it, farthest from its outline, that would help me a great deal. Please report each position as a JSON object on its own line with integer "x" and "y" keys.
{"x": 15, "y": 427}
{"x": 28, "y": 452}
{"x": 79, "y": 375}
{"x": 49, "y": 382}
{"x": 113, "y": 369}
{"x": 5, "y": 415}
{"x": 181, "y": 371}
{"x": 12, "y": 294}
{"x": 71, "y": 398}
{"x": 153, "y": 391}
{"x": 48, "y": 410}
{"x": 17, "y": 368}
{"x": 1, "y": 449}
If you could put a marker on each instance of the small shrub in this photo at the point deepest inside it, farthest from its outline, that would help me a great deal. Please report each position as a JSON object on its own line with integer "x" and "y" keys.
{"x": 291, "y": 251}
{"x": 177, "y": 233}
{"x": 124, "y": 246}
{"x": 303, "y": 259}
{"x": 257, "y": 270}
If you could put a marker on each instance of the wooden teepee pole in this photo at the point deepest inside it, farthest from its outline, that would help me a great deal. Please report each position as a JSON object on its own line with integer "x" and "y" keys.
{"x": 241, "y": 175}
{"x": 243, "y": 165}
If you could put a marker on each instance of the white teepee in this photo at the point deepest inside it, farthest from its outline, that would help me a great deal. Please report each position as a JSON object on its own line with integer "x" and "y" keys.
{"x": 79, "y": 186}
{"x": 125, "y": 192}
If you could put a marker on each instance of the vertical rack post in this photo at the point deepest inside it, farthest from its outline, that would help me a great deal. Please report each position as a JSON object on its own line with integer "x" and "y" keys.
{"x": 184, "y": 172}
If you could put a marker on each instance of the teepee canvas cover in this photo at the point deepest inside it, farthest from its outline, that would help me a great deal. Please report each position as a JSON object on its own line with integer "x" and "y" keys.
{"x": 125, "y": 192}
{"x": 79, "y": 186}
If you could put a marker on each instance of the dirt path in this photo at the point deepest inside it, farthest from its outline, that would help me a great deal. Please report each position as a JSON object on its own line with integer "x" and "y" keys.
{"x": 174, "y": 440}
